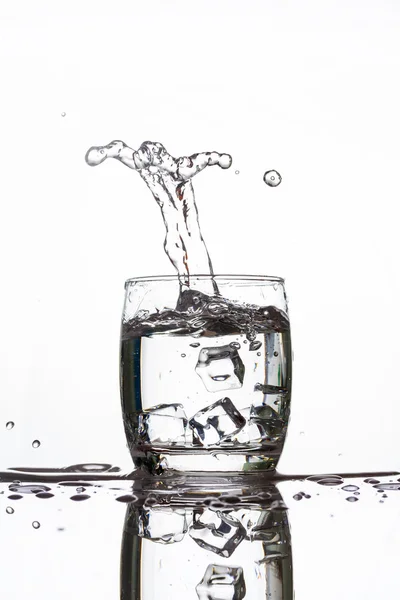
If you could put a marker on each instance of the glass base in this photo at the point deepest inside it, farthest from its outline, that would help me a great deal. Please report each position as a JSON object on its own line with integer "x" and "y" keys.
{"x": 157, "y": 462}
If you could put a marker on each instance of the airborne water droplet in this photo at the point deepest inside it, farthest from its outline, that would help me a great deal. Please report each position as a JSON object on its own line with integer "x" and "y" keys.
{"x": 35, "y": 524}
{"x": 352, "y": 499}
{"x": 272, "y": 178}
{"x": 80, "y": 490}
{"x": 237, "y": 172}
{"x": 63, "y": 114}
{"x": 9, "y": 510}
{"x": 195, "y": 345}
{"x": 276, "y": 353}
{"x": 183, "y": 355}
{"x": 35, "y": 444}
{"x": 298, "y": 497}
{"x": 10, "y": 425}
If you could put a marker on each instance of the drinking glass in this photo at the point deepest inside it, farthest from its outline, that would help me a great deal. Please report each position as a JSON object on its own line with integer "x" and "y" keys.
{"x": 205, "y": 373}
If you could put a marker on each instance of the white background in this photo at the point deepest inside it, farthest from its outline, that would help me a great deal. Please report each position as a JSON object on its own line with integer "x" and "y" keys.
{"x": 309, "y": 88}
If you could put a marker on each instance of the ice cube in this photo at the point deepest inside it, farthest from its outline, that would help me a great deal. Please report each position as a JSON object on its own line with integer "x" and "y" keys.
{"x": 222, "y": 583}
{"x": 162, "y": 525}
{"x": 254, "y": 430}
{"x": 164, "y": 424}
{"x": 215, "y": 423}
{"x": 220, "y": 368}
{"x": 217, "y": 532}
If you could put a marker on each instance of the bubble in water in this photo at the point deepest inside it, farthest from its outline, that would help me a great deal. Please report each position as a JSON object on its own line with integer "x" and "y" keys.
{"x": 9, "y": 510}
{"x": 350, "y": 488}
{"x": 272, "y": 178}
{"x": 237, "y": 172}
{"x": 195, "y": 345}
{"x": 63, "y": 114}
{"x": 276, "y": 353}
{"x": 352, "y": 499}
{"x": 35, "y": 444}
{"x": 80, "y": 497}
{"x": 10, "y": 425}
{"x": 183, "y": 355}
{"x": 298, "y": 497}
{"x": 35, "y": 524}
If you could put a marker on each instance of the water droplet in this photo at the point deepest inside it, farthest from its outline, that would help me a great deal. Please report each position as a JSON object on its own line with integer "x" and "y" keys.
{"x": 80, "y": 489}
{"x": 387, "y": 486}
{"x": 9, "y": 510}
{"x": 35, "y": 524}
{"x": 244, "y": 341}
{"x": 183, "y": 355}
{"x": 127, "y": 498}
{"x": 35, "y": 444}
{"x": 80, "y": 497}
{"x": 258, "y": 353}
{"x": 14, "y": 497}
{"x": 10, "y": 425}
{"x": 371, "y": 480}
{"x": 356, "y": 493}
{"x": 27, "y": 489}
{"x": 350, "y": 488}
{"x": 276, "y": 353}
{"x": 384, "y": 496}
{"x": 301, "y": 432}
{"x": 237, "y": 172}
{"x": 63, "y": 114}
{"x": 298, "y": 497}
{"x": 272, "y": 178}
{"x": 235, "y": 345}
{"x": 60, "y": 528}
{"x": 255, "y": 345}
{"x": 275, "y": 286}
{"x": 195, "y": 345}
{"x": 352, "y": 499}
{"x": 44, "y": 495}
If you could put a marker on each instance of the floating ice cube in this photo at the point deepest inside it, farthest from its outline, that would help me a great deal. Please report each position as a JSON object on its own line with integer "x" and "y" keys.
{"x": 164, "y": 424}
{"x": 162, "y": 525}
{"x": 222, "y": 583}
{"x": 220, "y": 368}
{"x": 215, "y": 423}
{"x": 217, "y": 532}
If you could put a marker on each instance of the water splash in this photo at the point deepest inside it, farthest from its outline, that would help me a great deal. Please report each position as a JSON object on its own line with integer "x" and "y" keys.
{"x": 170, "y": 181}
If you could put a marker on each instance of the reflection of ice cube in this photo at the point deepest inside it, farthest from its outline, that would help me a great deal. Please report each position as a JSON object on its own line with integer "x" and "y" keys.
{"x": 162, "y": 525}
{"x": 217, "y": 532}
{"x": 222, "y": 583}
{"x": 215, "y": 423}
{"x": 164, "y": 424}
{"x": 220, "y": 368}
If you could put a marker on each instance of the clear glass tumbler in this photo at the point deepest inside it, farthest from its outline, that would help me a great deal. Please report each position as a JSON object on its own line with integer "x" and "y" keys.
{"x": 205, "y": 373}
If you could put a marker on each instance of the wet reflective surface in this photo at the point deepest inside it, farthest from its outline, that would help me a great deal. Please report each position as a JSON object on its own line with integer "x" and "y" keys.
{"x": 186, "y": 537}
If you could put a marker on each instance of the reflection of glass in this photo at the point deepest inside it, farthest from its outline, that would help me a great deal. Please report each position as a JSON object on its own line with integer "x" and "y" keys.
{"x": 192, "y": 543}
{"x": 206, "y": 372}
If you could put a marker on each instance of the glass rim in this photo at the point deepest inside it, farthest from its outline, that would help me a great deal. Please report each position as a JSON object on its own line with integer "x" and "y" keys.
{"x": 222, "y": 278}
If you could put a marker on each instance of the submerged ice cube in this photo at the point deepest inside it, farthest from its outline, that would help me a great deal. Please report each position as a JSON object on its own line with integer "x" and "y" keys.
{"x": 164, "y": 424}
{"x": 217, "y": 422}
{"x": 220, "y": 368}
{"x": 222, "y": 583}
{"x": 162, "y": 525}
{"x": 254, "y": 431}
{"x": 217, "y": 532}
